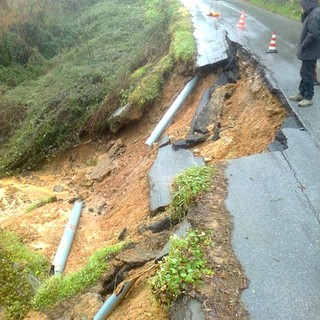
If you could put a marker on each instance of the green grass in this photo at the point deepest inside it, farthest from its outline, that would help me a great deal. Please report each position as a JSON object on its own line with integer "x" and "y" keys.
{"x": 291, "y": 10}
{"x": 186, "y": 187}
{"x": 58, "y": 287}
{"x": 18, "y": 267}
{"x": 117, "y": 52}
{"x": 41, "y": 203}
{"x": 184, "y": 267}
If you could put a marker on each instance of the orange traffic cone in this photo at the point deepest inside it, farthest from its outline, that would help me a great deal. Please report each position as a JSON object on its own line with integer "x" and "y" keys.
{"x": 241, "y": 24}
{"x": 272, "y": 46}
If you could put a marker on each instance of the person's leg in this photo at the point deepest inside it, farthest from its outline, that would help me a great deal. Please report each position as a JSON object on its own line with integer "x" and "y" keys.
{"x": 301, "y": 84}
{"x": 316, "y": 82}
{"x": 307, "y": 79}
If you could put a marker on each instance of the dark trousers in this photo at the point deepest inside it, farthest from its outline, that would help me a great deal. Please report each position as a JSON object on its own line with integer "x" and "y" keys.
{"x": 307, "y": 78}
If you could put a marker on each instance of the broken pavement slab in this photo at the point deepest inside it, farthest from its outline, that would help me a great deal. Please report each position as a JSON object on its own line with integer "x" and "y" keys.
{"x": 273, "y": 200}
{"x": 168, "y": 165}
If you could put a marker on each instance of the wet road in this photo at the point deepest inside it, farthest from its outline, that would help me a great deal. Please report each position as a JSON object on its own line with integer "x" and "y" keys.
{"x": 283, "y": 67}
{"x": 273, "y": 197}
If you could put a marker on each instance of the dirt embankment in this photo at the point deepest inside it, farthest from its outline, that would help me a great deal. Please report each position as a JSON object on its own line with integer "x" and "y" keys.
{"x": 249, "y": 118}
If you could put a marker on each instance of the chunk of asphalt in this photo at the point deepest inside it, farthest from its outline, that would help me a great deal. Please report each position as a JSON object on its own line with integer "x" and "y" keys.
{"x": 204, "y": 112}
{"x": 203, "y": 102}
{"x": 168, "y": 165}
{"x": 190, "y": 142}
{"x": 180, "y": 232}
{"x": 164, "y": 141}
{"x": 161, "y": 225}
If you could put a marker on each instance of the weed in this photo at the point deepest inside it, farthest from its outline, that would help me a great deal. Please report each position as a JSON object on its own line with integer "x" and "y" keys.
{"x": 58, "y": 287}
{"x": 18, "y": 267}
{"x": 185, "y": 266}
{"x": 41, "y": 203}
{"x": 186, "y": 187}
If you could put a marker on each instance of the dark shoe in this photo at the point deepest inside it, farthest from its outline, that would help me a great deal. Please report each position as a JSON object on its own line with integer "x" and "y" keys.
{"x": 316, "y": 83}
{"x": 297, "y": 97}
{"x": 305, "y": 103}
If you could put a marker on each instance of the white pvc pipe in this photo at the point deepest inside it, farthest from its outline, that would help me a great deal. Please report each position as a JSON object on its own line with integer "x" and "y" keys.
{"x": 160, "y": 127}
{"x": 60, "y": 258}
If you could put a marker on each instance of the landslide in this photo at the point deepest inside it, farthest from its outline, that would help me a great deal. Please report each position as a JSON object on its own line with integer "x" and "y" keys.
{"x": 117, "y": 203}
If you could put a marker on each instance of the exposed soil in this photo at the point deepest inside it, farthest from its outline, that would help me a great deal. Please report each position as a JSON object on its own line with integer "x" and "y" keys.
{"x": 249, "y": 119}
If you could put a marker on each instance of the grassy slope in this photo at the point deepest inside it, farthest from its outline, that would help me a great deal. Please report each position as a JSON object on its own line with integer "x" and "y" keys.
{"x": 290, "y": 9}
{"x": 117, "y": 38}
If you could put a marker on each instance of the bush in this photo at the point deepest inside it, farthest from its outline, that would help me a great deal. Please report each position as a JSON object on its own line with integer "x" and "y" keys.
{"x": 18, "y": 267}
{"x": 185, "y": 266}
{"x": 12, "y": 114}
{"x": 186, "y": 187}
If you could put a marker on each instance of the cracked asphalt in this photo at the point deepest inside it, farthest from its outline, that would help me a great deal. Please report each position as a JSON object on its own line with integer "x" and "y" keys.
{"x": 273, "y": 197}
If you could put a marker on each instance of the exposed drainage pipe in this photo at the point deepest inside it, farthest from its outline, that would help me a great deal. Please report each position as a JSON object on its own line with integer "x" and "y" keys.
{"x": 60, "y": 258}
{"x": 160, "y": 127}
{"x": 115, "y": 299}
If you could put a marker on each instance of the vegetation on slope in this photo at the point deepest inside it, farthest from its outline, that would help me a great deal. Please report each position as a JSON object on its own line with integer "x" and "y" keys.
{"x": 21, "y": 270}
{"x": 286, "y": 8}
{"x": 66, "y": 66}
{"x": 24, "y": 281}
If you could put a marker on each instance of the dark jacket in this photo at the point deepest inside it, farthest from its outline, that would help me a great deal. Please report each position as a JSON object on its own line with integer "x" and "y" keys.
{"x": 309, "y": 42}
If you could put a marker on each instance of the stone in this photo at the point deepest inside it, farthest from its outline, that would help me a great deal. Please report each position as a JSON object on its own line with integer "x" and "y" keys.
{"x": 117, "y": 148}
{"x": 58, "y": 188}
{"x": 161, "y": 225}
{"x": 124, "y": 115}
{"x": 104, "y": 168}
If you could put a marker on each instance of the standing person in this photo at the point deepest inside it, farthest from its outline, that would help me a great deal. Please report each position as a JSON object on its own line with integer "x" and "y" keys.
{"x": 308, "y": 51}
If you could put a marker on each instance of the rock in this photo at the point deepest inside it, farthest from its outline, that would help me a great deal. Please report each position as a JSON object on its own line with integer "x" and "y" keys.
{"x": 136, "y": 257}
{"x": 84, "y": 195}
{"x": 104, "y": 168}
{"x": 86, "y": 181}
{"x": 102, "y": 208}
{"x": 117, "y": 148}
{"x": 58, "y": 188}
{"x": 122, "y": 234}
{"x": 160, "y": 225}
{"x": 124, "y": 115}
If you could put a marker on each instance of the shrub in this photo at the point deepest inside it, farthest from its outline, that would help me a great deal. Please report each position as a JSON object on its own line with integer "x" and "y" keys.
{"x": 186, "y": 187}
{"x": 19, "y": 266}
{"x": 184, "y": 267}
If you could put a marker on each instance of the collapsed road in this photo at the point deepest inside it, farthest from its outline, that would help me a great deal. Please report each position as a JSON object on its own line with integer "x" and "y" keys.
{"x": 274, "y": 196}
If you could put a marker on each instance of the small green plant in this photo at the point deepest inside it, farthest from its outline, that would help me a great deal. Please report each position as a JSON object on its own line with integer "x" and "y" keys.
{"x": 186, "y": 187}
{"x": 41, "y": 203}
{"x": 20, "y": 269}
{"x": 185, "y": 266}
{"x": 58, "y": 287}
